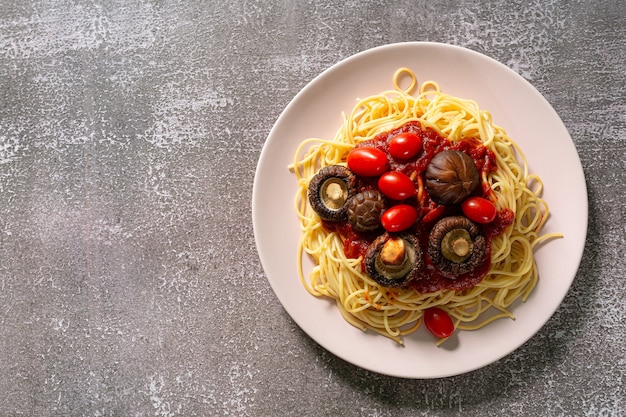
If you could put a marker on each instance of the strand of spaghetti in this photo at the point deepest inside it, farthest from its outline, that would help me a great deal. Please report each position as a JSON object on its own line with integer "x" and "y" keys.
{"x": 484, "y": 322}
{"x": 413, "y": 80}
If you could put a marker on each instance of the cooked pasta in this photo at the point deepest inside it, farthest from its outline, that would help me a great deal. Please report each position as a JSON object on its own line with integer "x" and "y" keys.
{"x": 395, "y": 312}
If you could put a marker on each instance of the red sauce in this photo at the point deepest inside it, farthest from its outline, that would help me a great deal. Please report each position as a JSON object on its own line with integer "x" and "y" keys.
{"x": 429, "y": 280}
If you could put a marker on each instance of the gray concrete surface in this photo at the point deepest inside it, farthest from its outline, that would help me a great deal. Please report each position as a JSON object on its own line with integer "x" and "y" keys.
{"x": 129, "y": 136}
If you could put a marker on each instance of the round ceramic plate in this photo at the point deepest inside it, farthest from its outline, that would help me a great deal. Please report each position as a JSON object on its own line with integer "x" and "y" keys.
{"x": 516, "y": 106}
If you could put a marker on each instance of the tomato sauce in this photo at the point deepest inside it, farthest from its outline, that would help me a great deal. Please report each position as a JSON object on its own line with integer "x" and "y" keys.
{"x": 429, "y": 212}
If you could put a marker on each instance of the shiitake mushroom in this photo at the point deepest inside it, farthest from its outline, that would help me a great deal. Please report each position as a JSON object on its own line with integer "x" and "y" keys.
{"x": 393, "y": 260}
{"x": 450, "y": 177}
{"x": 329, "y": 190}
{"x": 456, "y": 246}
{"x": 364, "y": 210}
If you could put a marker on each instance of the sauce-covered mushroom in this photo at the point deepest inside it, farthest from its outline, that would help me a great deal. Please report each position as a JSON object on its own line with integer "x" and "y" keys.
{"x": 329, "y": 190}
{"x": 364, "y": 210}
{"x": 450, "y": 177}
{"x": 393, "y": 260}
{"x": 456, "y": 246}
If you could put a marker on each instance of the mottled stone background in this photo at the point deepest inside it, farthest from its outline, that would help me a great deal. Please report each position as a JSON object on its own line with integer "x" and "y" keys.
{"x": 129, "y": 136}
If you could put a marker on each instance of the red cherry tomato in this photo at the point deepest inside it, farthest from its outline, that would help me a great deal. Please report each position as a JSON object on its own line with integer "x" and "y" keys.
{"x": 398, "y": 218}
{"x": 405, "y": 145}
{"x": 438, "y": 322}
{"x": 479, "y": 209}
{"x": 367, "y": 161}
{"x": 396, "y": 185}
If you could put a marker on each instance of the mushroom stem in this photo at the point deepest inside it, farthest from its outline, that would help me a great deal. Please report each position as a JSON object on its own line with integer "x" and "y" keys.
{"x": 334, "y": 192}
{"x": 460, "y": 247}
{"x": 456, "y": 245}
{"x": 393, "y": 252}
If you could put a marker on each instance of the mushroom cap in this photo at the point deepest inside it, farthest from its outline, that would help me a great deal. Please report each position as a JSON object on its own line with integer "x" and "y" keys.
{"x": 364, "y": 210}
{"x": 407, "y": 259}
{"x": 450, "y": 177}
{"x": 329, "y": 190}
{"x": 456, "y": 246}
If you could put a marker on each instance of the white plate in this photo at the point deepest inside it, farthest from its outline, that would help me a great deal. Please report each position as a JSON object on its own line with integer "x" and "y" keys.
{"x": 515, "y": 105}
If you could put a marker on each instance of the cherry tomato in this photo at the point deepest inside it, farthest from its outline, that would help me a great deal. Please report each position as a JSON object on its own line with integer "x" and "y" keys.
{"x": 398, "y": 217}
{"x": 367, "y": 161}
{"x": 438, "y": 322}
{"x": 396, "y": 185}
{"x": 479, "y": 209}
{"x": 405, "y": 145}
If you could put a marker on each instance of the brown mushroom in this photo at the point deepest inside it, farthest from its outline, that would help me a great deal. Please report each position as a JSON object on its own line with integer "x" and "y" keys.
{"x": 364, "y": 210}
{"x": 329, "y": 190}
{"x": 450, "y": 177}
{"x": 393, "y": 260}
{"x": 456, "y": 246}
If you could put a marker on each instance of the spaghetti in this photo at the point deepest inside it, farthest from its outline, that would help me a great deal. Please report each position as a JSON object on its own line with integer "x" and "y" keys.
{"x": 396, "y": 312}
